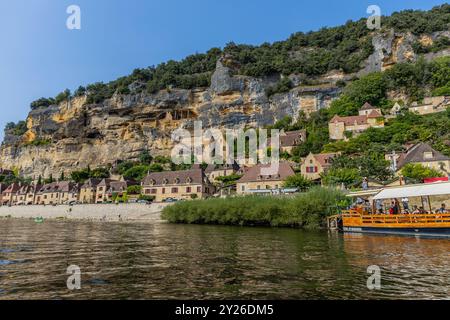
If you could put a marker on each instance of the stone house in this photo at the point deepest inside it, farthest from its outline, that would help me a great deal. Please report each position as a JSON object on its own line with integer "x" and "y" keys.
{"x": 341, "y": 128}
{"x": 424, "y": 154}
{"x": 255, "y": 179}
{"x": 26, "y": 194}
{"x": 431, "y": 105}
{"x": 291, "y": 139}
{"x": 63, "y": 192}
{"x": 316, "y": 164}
{"x": 185, "y": 184}
{"x": 88, "y": 190}
{"x": 108, "y": 189}
{"x": 9, "y": 193}
{"x": 215, "y": 171}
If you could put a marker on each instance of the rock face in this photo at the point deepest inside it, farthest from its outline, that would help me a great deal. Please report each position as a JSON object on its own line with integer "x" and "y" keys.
{"x": 77, "y": 135}
{"x": 73, "y": 135}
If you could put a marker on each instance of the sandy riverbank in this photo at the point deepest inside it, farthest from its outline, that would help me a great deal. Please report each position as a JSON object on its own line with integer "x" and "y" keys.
{"x": 97, "y": 212}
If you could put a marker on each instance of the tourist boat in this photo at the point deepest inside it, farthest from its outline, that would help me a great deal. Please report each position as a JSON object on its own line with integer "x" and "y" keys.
{"x": 367, "y": 217}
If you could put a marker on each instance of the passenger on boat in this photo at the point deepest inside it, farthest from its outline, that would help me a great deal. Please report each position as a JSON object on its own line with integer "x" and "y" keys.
{"x": 416, "y": 210}
{"x": 405, "y": 202}
{"x": 395, "y": 207}
{"x": 442, "y": 209}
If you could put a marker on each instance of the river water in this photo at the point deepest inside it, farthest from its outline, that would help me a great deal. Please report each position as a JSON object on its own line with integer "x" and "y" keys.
{"x": 156, "y": 260}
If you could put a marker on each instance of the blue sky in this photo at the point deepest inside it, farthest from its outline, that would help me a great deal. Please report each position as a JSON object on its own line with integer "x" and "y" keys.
{"x": 39, "y": 56}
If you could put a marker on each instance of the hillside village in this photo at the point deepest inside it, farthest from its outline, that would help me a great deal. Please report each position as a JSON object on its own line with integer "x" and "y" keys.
{"x": 203, "y": 181}
{"x": 358, "y": 109}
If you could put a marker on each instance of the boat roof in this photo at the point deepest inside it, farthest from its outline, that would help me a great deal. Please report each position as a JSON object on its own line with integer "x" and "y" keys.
{"x": 364, "y": 193}
{"x": 418, "y": 190}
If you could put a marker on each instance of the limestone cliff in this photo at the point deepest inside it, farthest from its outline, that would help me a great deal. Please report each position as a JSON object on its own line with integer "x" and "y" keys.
{"x": 73, "y": 135}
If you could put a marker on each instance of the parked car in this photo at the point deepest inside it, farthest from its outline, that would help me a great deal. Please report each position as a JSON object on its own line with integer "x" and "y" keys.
{"x": 170, "y": 200}
{"x": 143, "y": 201}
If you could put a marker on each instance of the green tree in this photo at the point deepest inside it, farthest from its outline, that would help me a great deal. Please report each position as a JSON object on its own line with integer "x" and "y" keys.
{"x": 418, "y": 172}
{"x": 337, "y": 176}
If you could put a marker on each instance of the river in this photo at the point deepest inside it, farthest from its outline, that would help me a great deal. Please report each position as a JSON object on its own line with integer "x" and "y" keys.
{"x": 156, "y": 260}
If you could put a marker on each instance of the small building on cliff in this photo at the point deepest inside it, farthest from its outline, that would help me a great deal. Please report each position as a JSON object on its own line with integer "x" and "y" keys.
{"x": 342, "y": 128}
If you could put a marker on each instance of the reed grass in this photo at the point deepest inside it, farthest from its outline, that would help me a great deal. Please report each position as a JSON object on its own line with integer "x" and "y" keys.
{"x": 305, "y": 210}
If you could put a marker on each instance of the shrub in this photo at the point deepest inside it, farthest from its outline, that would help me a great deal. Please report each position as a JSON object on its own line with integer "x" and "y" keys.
{"x": 307, "y": 210}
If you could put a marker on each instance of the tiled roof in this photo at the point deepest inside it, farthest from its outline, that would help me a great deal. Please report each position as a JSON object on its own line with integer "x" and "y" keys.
{"x": 351, "y": 120}
{"x": 192, "y": 176}
{"x": 290, "y": 138}
{"x": 63, "y": 186}
{"x": 367, "y": 106}
{"x": 91, "y": 183}
{"x": 254, "y": 173}
{"x": 12, "y": 188}
{"x": 374, "y": 114}
{"x": 324, "y": 158}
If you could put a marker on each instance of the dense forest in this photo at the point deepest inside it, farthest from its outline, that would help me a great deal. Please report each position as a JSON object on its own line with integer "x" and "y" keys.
{"x": 313, "y": 53}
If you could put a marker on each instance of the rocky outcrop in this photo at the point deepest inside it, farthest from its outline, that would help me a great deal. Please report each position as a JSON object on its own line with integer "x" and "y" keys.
{"x": 77, "y": 134}
{"x": 73, "y": 135}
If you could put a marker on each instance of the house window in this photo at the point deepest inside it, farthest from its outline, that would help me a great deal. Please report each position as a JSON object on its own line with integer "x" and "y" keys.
{"x": 154, "y": 191}
{"x": 199, "y": 189}
{"x": 259, "y": 187}
{"x": 188, "y": 189}
{"x": 174, "y": 190}
{"x": 163, "y": 190}
{"x": 267, "y": 187}
{"x": 243, "y": 188}
{"x": 100, "y": 189}
{"x": 147, "y": 191}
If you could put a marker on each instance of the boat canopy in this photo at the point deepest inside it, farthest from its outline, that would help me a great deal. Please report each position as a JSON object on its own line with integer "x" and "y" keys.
{"x": 432, "y": 189}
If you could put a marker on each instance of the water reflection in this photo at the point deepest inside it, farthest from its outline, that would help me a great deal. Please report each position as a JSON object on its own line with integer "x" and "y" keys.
{"x": 157, "y": 260}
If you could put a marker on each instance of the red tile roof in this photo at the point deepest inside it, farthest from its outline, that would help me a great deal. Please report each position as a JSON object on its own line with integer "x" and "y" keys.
{"x": 351, "y": 120}
{"x": 374, "y": 114}
{"x": 324, "y": 158}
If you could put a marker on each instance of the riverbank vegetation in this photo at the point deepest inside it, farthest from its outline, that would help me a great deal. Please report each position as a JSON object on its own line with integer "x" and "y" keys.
{"x": 305, "y": 210}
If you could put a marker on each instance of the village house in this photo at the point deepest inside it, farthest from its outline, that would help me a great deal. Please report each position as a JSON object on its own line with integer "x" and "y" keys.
{"x": 342, "y": 128}
{"x": 395, "y": 110}
{"x": 314, "y": 165}
{"x": 88, "y": 190}
{"x": 186, "y": 184}
{"x": 289, "y": 140}
{"x": 431, "y": 105}
{"x": 54, "y": 193}
{"x": 9, "y": 192}
{"x": 107, "y": 190}
{"x": 213, "y": 171}
{"x": 26, "y": 195}
{"x": 421, "y": 153}
{"x": 255, "y": 181}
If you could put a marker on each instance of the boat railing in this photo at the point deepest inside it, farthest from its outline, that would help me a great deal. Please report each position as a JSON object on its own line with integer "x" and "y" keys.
{"x": 397, "y": 218}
